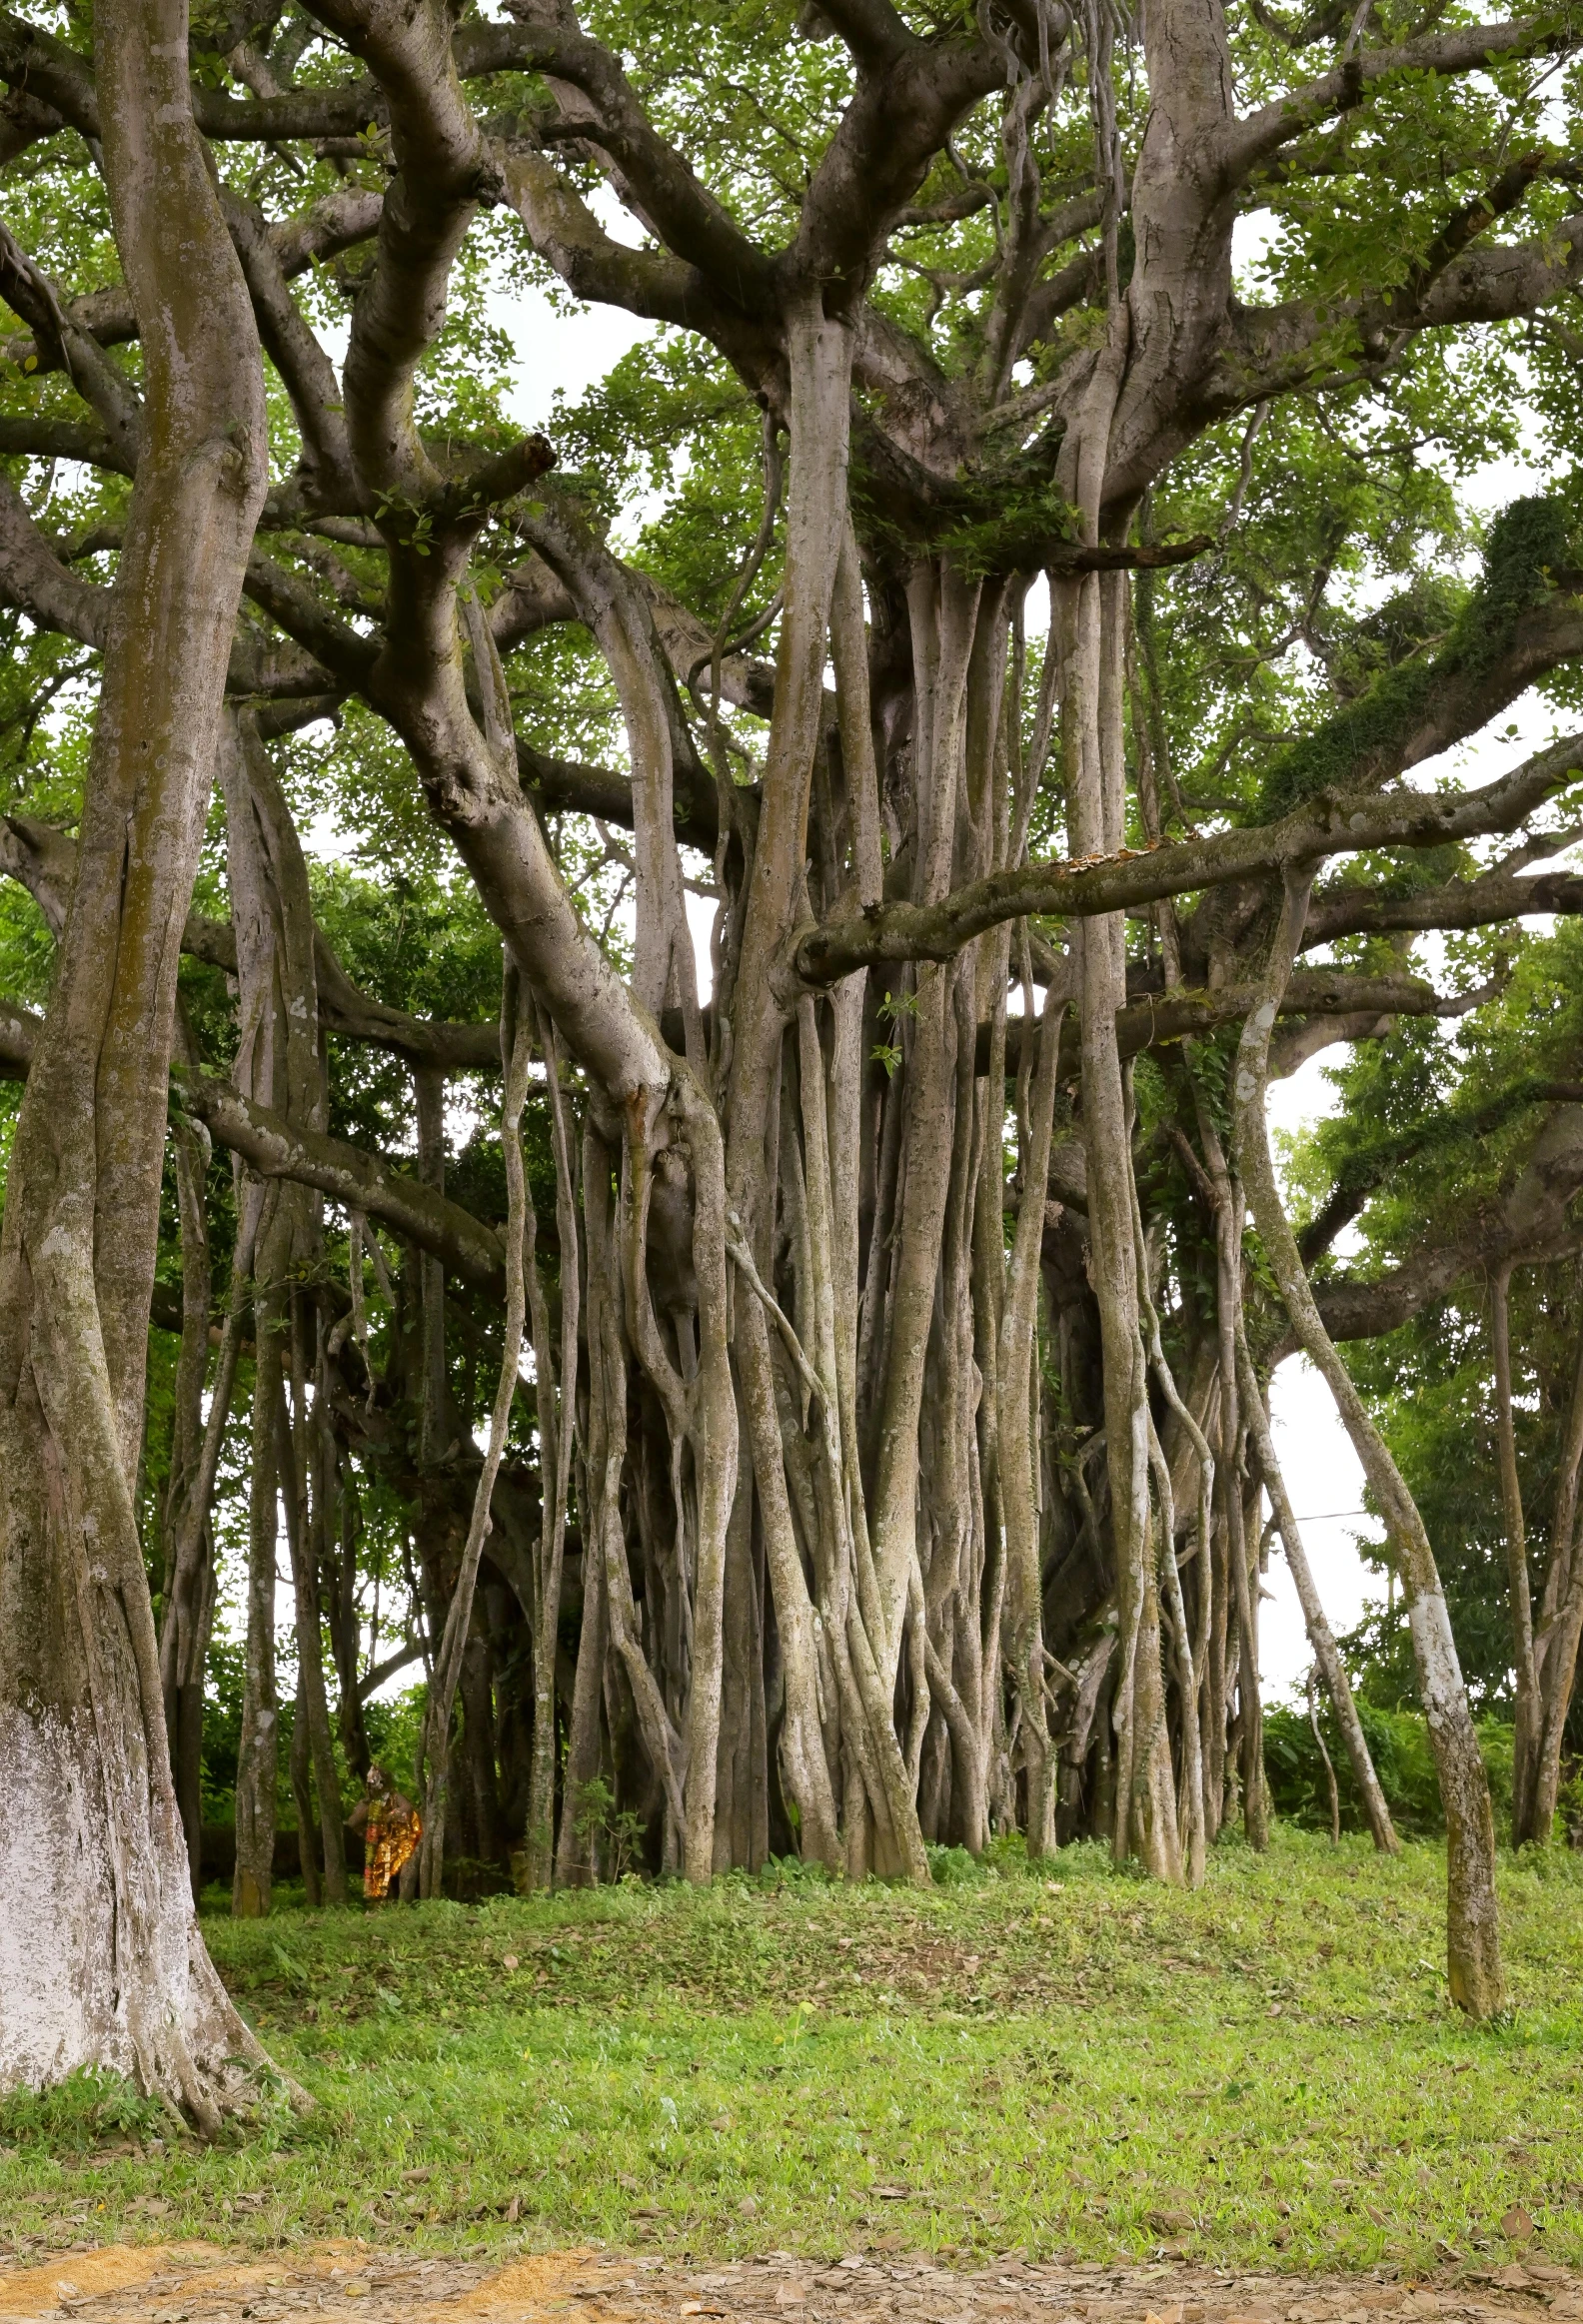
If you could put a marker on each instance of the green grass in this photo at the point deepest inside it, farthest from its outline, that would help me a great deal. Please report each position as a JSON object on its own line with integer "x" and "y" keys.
{"x": 1265, "y": 2073}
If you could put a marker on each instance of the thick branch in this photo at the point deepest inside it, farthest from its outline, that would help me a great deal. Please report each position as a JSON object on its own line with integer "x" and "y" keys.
{"x": 1330, "y": 825}
{"x": 338, "y": 223}
{"x": 1271, "y": 351}
{"x": 1347, "y": 84}
{"x": 1460, "y": 903}
{"x": 277, "y": 1148}
{"x": 1530, "y": 1223}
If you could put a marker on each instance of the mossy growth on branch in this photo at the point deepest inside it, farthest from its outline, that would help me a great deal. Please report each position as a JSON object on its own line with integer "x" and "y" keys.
{"x": 1006, "y": 517}
{"x": 1530, "y": 547}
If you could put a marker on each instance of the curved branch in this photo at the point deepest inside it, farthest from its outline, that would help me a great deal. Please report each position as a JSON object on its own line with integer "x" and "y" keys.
{"x": 338, "y": 223}
{"x": 1469, "y": 48}
{"x": 1333, "y": 824}
{"x": 33, "y": 579}
{"x": 1529, "y": 1223}
{"x": 277, "y": 1148}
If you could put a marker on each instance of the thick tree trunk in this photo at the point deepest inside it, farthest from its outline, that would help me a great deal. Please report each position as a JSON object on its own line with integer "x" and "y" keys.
{"x": 103, "y": 1961}
{"x": 820, "y": 352}
{"x": 1017, "y": 1368}
{"x": 1089, "y": 611}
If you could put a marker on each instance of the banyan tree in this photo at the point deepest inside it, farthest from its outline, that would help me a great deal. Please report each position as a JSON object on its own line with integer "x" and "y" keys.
{"x": 814, "y": 1397}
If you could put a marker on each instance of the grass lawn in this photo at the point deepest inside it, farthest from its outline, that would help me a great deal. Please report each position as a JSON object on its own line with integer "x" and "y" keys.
{"x": 1265, "y": 2073}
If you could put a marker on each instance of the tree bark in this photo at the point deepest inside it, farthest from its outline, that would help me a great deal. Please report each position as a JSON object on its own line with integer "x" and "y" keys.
{"x": 259, "y": 1747}
{"x": 189, "y": 1580}
{"x": 1561, "y": 1625}
{"x": 447, "y": 1673}
{"x": 103, "y": 1962}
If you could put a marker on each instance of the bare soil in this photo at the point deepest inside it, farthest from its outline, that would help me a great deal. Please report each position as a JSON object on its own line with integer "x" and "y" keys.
{"x": 197, "y": 2283}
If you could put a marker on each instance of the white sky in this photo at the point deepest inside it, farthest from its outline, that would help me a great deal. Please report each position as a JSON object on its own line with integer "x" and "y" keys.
{"x": 1323, "y": 1476}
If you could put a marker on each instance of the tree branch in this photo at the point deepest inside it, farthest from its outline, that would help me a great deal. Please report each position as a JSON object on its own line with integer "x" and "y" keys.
{"x": 1468, "y": 49}
{"x": 1333, "y": 824}
{"x": 277, "y": 1148}
{"x": 338, "y": 223}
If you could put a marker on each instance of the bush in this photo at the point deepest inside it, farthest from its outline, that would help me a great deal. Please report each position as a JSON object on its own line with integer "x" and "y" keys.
{"x": 1398, "y": 1742}
{"x": 948, "y": 1864}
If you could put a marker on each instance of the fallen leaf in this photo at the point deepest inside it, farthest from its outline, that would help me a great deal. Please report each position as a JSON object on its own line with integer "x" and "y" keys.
{"x": 511, "y": 1962}
{"x": 1517, "y": 2224}
{"x": 790, "y": 2295}
{"x": 748, "y": 2206}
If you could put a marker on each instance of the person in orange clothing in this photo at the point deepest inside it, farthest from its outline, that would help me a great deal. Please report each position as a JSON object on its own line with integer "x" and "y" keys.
{"x": 391, "y": 1828}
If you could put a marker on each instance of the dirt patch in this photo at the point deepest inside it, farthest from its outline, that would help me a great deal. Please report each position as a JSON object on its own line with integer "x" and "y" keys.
{"x": 198, "y": 2284}
{"x": 90, "y": 2275}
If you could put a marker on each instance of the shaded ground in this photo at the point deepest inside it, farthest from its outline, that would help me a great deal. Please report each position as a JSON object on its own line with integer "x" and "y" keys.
{"x": 198, "y": 2284}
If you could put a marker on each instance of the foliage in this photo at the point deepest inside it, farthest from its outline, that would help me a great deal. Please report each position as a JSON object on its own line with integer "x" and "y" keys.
{"x": 1398, "y": 1741}
{"x": 1530, "y": 545}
